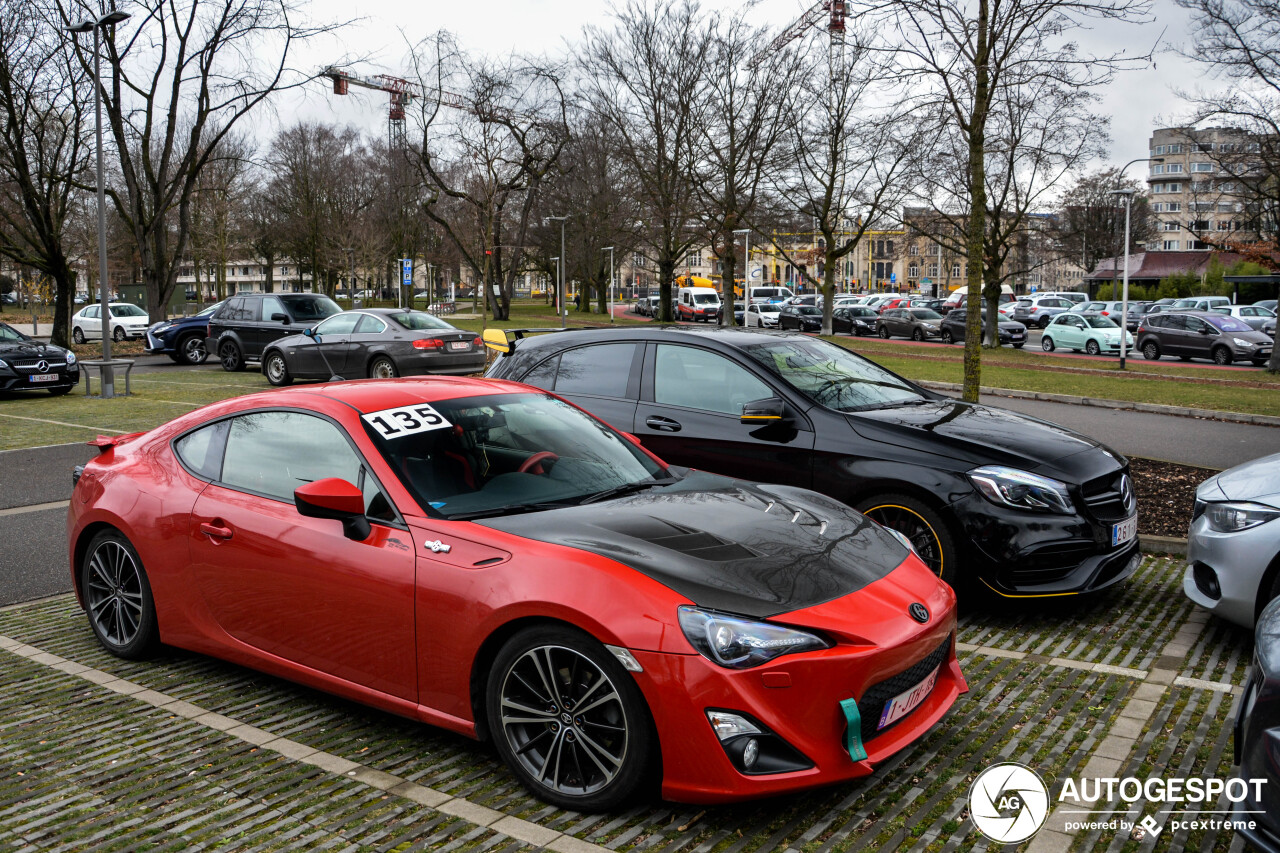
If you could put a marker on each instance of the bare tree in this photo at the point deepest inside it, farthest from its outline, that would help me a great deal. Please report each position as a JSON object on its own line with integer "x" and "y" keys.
{"x": 484, "y": 155}
{"x": 644, "y": 80}
{"x": 43, "y": 149}
{"x": 179, "y": 77}
{"x": 217, "y": 205}
{"x": 964, "y": 58}
{"x": 1090, "y": 221}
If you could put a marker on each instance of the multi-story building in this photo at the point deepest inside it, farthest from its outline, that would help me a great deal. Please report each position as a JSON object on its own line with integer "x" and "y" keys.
{"x": 1197, "y": 189}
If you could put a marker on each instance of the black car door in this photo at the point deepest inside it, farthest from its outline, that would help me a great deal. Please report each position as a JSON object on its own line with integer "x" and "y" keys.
{"x": 604, "y": 379}
{"x": 690, "y": 414}
{"x": 1199, "y": 337}
{"x": 271, "y": 327}
{"x": 1173, "y": 335}
{"x": 324, "y": 354}
{"x": 368, "y": 331}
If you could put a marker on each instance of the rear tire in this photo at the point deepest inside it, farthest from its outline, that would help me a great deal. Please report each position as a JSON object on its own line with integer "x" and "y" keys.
{"x": 1046, "y": 343}
{"x": 530, "y": 697}
{"x": 927, "y": 531}
{"x": 117, "y": 597}
{"x": 1151, "y": 351}
{"x": 1043, "y": 323}
{"x": 230, "y": 355}
{"x": 1221, "y": 355}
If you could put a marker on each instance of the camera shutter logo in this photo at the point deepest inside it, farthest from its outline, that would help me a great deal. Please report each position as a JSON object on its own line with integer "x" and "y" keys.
{"x": 1008, "y": 803}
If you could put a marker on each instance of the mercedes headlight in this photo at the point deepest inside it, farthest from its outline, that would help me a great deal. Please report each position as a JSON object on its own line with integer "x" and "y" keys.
{"x": 71, "y": 357}
{"x": 1240, "y": 342}
{"x": 5, "y": 369}
{"x": 1021, "y": 489}
{"x": 1234, "y": 516}
{"x": 738, "y": 643}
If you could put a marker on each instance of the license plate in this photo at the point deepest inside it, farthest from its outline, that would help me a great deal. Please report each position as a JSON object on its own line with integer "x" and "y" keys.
{"x": 904, "y": 703}
{"x": 1124, "y": 531}
{"x": 1017, "y": 336}
{"x": 45, "y": 377}
{"x": 459, "y": 345}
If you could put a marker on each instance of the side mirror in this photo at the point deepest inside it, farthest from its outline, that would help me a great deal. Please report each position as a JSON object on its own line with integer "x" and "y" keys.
{"x": 631, "y": 438}
{"x": 496, "y": 339}
{"x": 770, "y": 410}
{"x": 280, "y": 318}
{"x": 309, "y": 332}
{"x": 334, "y": 498}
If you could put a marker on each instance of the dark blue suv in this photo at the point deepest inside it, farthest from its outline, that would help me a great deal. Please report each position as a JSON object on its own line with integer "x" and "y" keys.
{"x": 182, "y": 338}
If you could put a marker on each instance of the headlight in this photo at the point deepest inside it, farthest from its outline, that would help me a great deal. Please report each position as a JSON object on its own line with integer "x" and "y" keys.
{"x": 4, "y": 368}
{"x": 1021, "y": 489}
{"x": 1233, "y": 517}
{"x": 1242, "y": 343}
{"x": 71, "y": 357}
{"x": 738, "y": 643}
{"x": 162, "y": 326}
{"x": 930, "y": 327}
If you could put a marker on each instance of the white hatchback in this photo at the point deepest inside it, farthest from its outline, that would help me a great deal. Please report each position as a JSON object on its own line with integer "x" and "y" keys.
{"x": 127, "y": 321}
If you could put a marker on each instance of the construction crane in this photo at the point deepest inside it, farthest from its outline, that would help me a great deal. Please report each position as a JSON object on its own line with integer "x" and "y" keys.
{"x": 402, "y": 93}
{"x": 832, "y": 10}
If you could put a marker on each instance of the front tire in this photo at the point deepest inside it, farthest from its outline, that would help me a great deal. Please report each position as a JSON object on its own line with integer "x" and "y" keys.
{"x": 276, "y": 369}
{"x": 1046, "y": 344}
{"x": 117, "y": 597}
{"x": 383, "y": 368}
{"x": 925, "y": 529}
{"x": 119, "y": 334}
{"x": 77, "y": 335}
{"x": 1151, "y": 351}
{"x": 917, "y": 335}
{"x": 58, "y": 392}
{"x": 947, "y": 338}
{"x": 231, "y": 356}
{"x": 1044, "y": 322}
{"x": 884, "y": 332}
{"x": 191, "y": 349}
{"x": 1221, "y": 355}
{"x": 1092, "y": 348}
{"x": 585, "y": 757}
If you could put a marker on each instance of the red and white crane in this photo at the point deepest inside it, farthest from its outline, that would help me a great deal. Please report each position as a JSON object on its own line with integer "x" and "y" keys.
{"x": 402, "y": 93}
{"x": 834, "y": 13}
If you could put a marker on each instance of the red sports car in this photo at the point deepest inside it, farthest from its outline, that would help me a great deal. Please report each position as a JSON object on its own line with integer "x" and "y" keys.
{"x": 488, "y": 558}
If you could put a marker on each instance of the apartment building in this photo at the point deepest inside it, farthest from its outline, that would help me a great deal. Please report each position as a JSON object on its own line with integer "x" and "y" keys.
{"x": 1197, "y": 189}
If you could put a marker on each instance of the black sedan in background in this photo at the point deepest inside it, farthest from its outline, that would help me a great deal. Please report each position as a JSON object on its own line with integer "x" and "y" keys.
{"x": 983, "y": 494}
{"x": 801, "y": 317}
{"x": 29, "y": 365}
{"x": 182, "y": 338}
{"x": 1257, "y": 732}
{"x": 953, "y": 329}
{"x": 855, "y": 320}
{"x": 377, "y": 343}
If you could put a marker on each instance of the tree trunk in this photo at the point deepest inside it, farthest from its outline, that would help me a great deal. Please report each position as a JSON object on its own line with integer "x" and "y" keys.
{"x": 666, "y": 274}
{"x": 977, "y": 214}
{"x": 64, "y": 292}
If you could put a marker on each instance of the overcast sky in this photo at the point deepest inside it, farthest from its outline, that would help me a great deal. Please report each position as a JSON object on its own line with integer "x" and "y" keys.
{"x": 1137, "y": 102}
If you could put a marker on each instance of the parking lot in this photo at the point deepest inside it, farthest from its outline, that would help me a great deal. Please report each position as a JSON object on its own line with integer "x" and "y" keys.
{"x": 186, "y": 752}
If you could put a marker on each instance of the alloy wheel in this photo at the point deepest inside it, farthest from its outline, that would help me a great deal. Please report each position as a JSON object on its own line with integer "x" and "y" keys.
{"x": 193, "y": 350}
{"x": 564, "y": 720}
{"x": 921, "y": 535}
{"x": 113, "y": 593}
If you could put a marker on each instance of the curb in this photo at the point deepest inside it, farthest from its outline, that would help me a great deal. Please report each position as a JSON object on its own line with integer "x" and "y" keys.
{"x": 1150, "y": 408}
{"x": 1162, "y": 544}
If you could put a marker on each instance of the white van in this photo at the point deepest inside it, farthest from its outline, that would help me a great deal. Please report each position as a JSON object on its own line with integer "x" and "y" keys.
{"x": 958, "y": 296}
{"x": 698, "y": 304}
{"x": 769, "y": 294}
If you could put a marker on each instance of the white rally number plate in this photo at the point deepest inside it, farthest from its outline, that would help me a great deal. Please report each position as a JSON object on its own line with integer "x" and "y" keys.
{"x": 45, "y": 377}
{"x": 904, "y": 703}
{"x": 1124, "y": 531}
{"x": 405, "y": 420}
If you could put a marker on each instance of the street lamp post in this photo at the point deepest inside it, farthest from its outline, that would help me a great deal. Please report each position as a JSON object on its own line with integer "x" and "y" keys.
{"x": 107, "y": 378}
{"x": 560, "y": 283}
{"x": 609, "y": 249}
{"x": 559, "y": 307}
{"x": 746, "y": 274}
{"x": 1124, "y": 304}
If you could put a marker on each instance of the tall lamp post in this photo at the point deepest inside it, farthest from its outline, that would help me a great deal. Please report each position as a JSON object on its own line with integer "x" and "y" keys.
{"x": 609, "y": 249}
{"x": 106, "y": 19}
{"x": 560, "y": 283}
{"x": 1128, "y": 204}
{"x": 746, "y": 274}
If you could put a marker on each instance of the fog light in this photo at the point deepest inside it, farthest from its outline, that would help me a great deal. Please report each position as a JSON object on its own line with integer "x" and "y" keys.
{"x": 750, "y": 753}
{"x": 1207, "y": 581}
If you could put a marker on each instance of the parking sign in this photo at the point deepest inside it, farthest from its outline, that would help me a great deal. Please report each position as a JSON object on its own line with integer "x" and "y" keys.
{"x": 406, "y": 272}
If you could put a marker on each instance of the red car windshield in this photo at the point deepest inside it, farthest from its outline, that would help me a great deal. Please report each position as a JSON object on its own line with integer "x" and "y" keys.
{"x": 502, "y": 453}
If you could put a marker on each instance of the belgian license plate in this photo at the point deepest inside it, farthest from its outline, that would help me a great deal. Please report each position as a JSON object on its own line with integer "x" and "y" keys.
{"x": 1124, "y": 531}
{"x": 1017, "y": 336}
{"x": 904, "y": 703}
{"x": 459, "y": 345}
{"x": 45, "y": 377}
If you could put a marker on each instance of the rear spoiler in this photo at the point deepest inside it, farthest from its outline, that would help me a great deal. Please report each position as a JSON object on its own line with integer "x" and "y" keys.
{"x": 104, "y": 443}
{"x": 497, "y": 340}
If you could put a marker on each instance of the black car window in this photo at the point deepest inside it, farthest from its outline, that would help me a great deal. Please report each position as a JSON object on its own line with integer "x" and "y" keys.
{"x": 370, "y": 325}
{"x": 417, "y": 321}
{"x": 602, "y": 370}
{"x": 201, "y": 450}
{"x": 1175, "y": 321}
{"x": 312, "y": 307}
{"x": 697, "y": 379}
{"x": 1195, "y": 324}
{"x": 342, "y": 324}
{"x": 544, "y": 375}
{"x": 271, "y": 305}
{"x": 832, "y": 376}
{"x": 235, "y": 310}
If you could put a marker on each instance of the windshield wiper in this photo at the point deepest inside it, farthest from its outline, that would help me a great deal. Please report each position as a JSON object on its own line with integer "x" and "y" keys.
{"x": 509, "y": 509}
{"x": 625, "y": 489}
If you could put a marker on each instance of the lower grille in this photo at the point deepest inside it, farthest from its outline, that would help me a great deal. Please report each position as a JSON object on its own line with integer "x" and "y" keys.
{"x": 873, "y": 700}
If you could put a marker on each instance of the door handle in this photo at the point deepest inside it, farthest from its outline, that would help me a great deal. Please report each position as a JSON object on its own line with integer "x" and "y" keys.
{"x": 662, "y": 424}
{"x": 213, "y": 531}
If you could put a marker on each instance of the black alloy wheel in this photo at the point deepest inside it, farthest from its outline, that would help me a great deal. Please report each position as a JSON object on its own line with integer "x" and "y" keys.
{"x": 568, "y": 719}
{"x": 1221, "y": 355}
{"x": 117, "y": 596}
{"x": 1151, "y": 351}
{"x": 276, "y": 369}
{"x": 231, "y": 357}
{"x": 947, "y": 338}
{"x": 192, "y": 350}
{"x": 923, "y": 527}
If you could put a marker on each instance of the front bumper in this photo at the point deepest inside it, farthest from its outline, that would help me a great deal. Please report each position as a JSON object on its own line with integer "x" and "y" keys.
{"x": 1237, "y": 561}
{"x": 157, "y": 346}
{"x": 20, "y": 380}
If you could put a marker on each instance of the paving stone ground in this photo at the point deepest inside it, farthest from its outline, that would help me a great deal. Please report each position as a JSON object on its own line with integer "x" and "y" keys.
{"x": 184, "y": 752}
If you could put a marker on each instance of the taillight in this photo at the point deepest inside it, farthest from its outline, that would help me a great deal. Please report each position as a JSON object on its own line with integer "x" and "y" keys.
{"x": 1034, "y": 310}
{"x": 477, "y": 342}
{"x": 428, "y": 343}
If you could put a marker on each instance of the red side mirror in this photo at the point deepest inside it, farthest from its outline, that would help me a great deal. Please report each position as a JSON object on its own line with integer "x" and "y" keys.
{"x": 334, "y": 498}
{"x": 631, "y": 438}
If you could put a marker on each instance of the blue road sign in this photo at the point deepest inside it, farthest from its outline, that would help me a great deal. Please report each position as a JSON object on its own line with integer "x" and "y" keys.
{"x": 406, "y": 272}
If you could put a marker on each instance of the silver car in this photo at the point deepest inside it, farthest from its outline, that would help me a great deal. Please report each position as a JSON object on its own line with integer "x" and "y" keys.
{"x": 1233, "y": 548}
